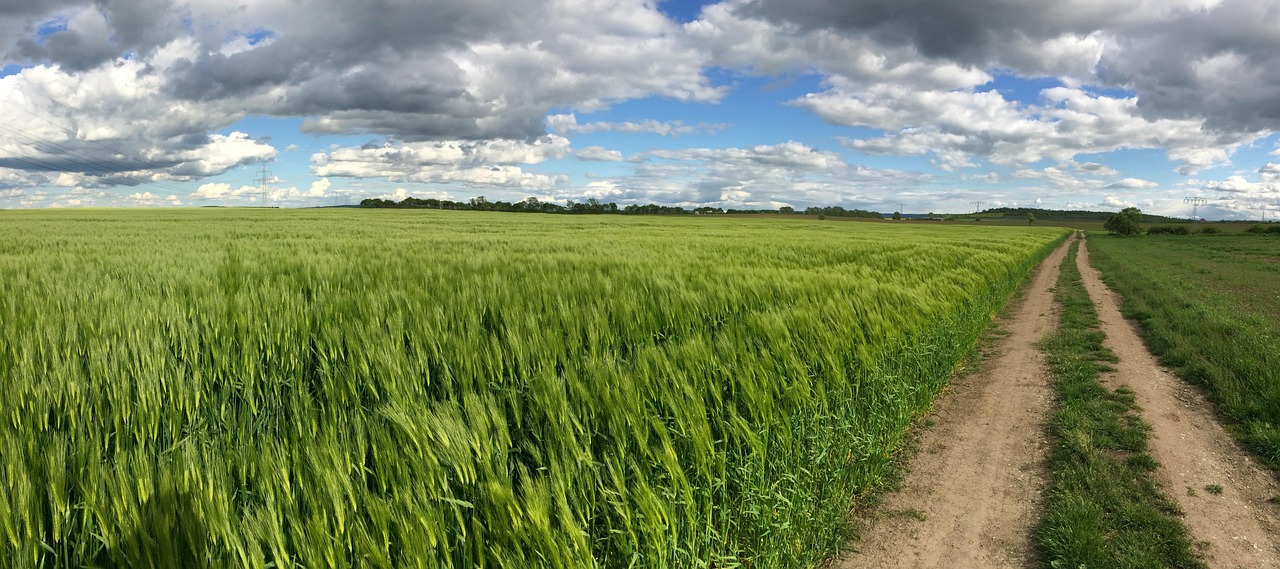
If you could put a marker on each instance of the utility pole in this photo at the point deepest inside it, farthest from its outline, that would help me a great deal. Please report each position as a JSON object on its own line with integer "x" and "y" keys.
{"x": 1195, "y": 205}
{"x": 902, "y": 208}
{"x": 264, "y": 178}
{"x": 977, "y": 207}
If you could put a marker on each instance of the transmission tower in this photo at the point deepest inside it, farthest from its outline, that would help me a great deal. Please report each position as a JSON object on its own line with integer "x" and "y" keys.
{"x": 1195, "y": 206}
{"x": 977, "y": 207}
{"x": 264, "y": 179}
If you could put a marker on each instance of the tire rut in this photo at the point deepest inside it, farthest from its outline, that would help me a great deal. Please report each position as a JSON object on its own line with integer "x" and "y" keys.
{"x": 1224, "y": 492}
{"x": 973, "y": 493}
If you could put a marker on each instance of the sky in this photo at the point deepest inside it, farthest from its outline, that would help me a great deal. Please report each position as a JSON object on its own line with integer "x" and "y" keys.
{"x": 911, "y": 105}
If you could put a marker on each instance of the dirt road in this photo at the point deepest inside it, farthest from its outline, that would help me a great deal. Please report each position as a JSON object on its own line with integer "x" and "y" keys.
{"x": 973, "y": 493}
{"x": 1240, "y": 526}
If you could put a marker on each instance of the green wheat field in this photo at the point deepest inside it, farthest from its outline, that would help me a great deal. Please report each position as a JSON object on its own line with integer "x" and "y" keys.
{"x": 333, "y": 388}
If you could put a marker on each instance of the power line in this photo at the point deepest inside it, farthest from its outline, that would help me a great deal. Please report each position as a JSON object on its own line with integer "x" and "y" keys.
{"x": 263, "y": 180}
{"x": 1195, "y": 205}
{"x": 85, "y": 164}
{"x": 104, "y": 166}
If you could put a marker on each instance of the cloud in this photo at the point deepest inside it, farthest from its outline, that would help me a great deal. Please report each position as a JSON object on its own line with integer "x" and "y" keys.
{"x": 958, "y": 125}
{"x": 475, "y": 164}
{"x": 1132, "y": 184}
{"x": 112, "y": 125}
{"x": 1060, "y": 178}
{"x": 761, "y": 176}
{"x": 222, "y": 191}
{"x": 401, "y": 193}
{"x": 915, "y": 70}
{"x": 789, "y": 154}
{"x": 598, "y": 154}
{"x": 1213, "y": 59}
{"x": 148, "y": 199}
{"x": 568, "y": 123}
{"x": 456, "y": 69}
{"x": 1116, "y": 202}
{"x": 319, "y": 187}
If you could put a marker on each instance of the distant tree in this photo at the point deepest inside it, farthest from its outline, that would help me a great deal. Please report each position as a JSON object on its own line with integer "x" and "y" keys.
{"x": 1031, "y": 218}
{"x": 897, "y": 216}
{"x": 786, "y": 209}
{"x": 1125, "y": 222}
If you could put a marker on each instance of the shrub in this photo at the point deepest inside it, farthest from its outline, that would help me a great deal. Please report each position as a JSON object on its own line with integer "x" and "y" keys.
{"x": 1125, "y": 222}
{"x": 1210, "y": 230}
{"x": 1168, "y": 230}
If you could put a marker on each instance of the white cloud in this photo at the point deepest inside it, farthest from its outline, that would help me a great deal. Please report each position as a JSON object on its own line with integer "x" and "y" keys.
{"x": 1133, "y": 184}
{"x": 222, "y": 191}
{"x": 568, "y": 123}
{"x": 789, "y": 154}
{"x": 148, "y": 199}
{"x": 762, "y": 176}
{"x": 319, "y": 188}
{"x": 959, "y": 125}
{"x": 475, "y": 164}
{"x": 598, "y": 154}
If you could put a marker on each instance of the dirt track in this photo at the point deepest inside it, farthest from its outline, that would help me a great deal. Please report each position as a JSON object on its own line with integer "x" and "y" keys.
{"x": 973, "y": 493}
{"x": 1241, "y": 527}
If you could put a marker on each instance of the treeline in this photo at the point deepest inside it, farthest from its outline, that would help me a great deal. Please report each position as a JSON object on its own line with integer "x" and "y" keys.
{"x": 595, "y": 206}
{"x": 1071, "y": 215}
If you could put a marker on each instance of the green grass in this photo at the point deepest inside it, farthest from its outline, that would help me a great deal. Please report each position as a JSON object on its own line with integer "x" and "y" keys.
{"x": 245, "y": 388}
{"x": 1102, "y": 508}
{"x": 1208, "y": 309}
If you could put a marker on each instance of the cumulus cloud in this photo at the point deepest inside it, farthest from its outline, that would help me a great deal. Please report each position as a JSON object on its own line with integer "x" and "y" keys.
{"x": 1200, "y": 73}
{"x": 112, "y": 125}
{"x": 458, "y": 68}
{"x": 761, "y": 176}
{"x": 1215, "y": 59}
{"x": 958, "y": 125}
{"x": 471, "y": 163}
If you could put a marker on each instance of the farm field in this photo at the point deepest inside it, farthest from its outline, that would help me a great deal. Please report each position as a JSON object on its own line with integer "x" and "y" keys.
{"x": 1208, "y": 308}
{"x": 419, "y": 388}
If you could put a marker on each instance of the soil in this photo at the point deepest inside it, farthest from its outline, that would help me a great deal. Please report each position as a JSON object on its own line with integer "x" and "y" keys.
{"x": 973, "y": 493}
{"x": 1236, "y": 526}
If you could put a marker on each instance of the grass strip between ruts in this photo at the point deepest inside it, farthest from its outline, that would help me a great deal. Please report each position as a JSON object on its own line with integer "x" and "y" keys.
{"x": 1102, "y": 508}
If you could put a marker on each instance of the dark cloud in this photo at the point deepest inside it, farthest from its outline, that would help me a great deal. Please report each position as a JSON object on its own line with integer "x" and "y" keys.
{"x": 973, "y": 31}
{"x": 1222, "y": 64}
{"x": 1184, "y": 58}
{"x": 416, "y": 70}
{"x": 33, "y": 8}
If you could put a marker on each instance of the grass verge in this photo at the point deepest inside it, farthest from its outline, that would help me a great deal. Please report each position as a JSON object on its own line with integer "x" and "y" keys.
{"x": 1102, "y": 508}
{"x": 1208, "y": 309}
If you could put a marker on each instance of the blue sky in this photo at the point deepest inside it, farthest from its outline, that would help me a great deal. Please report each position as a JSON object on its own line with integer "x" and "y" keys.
{"x": 743, "y": 103}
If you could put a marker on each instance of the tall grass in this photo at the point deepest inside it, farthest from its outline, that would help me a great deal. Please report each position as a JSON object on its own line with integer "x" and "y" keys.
{"x": 426, "y": 389}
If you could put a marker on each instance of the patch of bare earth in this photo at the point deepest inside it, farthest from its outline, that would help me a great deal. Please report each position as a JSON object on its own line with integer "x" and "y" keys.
{"x": 1223, "y": 490}
{"x": 973, "y": 493}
